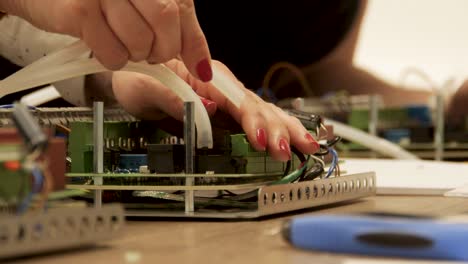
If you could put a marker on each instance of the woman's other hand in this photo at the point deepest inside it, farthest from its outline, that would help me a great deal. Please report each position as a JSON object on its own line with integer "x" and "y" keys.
{"x": 118, "y": 31}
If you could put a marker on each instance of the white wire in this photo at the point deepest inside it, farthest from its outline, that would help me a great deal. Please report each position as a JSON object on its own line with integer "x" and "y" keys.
{"x": 319, "y": 160}
{"x": 421, "y": 74}
{"x": 41, "y": 96}
{"x": 65, "y": 64}
{"x": 372, "y": 142}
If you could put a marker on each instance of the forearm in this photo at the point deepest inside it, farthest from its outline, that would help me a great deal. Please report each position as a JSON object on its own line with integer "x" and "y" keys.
{"x": 14, "y": 7}
{"x": 335, "y": 77}
{"x": 22, "y": 44}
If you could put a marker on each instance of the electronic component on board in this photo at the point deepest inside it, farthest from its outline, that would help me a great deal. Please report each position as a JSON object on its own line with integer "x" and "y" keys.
{"x": 308, "y": 120}
{"x": 34, "y": 137}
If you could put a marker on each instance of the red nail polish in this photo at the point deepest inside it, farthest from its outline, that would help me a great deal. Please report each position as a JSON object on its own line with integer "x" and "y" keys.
{"x": 316, "y": 145}
{"x": 309, "y": 137}
{"x": 261, "y": 138}
{"x": 210, "y": 106}
{"x": 284, "y": 147}
{"x": 205, "y": 73}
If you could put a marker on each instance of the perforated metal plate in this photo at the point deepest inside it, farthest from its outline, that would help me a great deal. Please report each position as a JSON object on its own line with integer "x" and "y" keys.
{"x": 58, "y": 229}
{"x": 284, "y": 198}
{"x": 277, "y": 199}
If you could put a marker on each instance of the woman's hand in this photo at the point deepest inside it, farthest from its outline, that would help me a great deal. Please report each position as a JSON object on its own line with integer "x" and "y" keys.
{"x": 121, "y": 30}
{"x": 267, "y": 127}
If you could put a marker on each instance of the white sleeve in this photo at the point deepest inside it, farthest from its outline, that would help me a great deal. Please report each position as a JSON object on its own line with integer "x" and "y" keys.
{"x": 22, "y": 44}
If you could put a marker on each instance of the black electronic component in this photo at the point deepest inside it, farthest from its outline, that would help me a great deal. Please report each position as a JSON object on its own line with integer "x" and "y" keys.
{"x": 166, "y": 158}
{"x": 34, "y": 137}
{"x": 170, "y": 158}
{"x": 421, "y": 134}
{"x": 219, "y": 164}
{"x": 308, "y": 120}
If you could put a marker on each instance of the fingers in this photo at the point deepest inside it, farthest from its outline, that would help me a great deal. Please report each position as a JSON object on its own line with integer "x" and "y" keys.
{"x": 85, "y": 20}
{"x": 141, "y": 95}
{"x": 280, "y": 129}
{"x": 195, "y": 52}
{"x": 163, "y": 18}
{"x": 267, "y": 127}
{"x": 264, "y": 132}
{"x": 121, "y": 30}
{"x": 299, "y": 136}
{"x": 130, "y": 27}
{"x": 209, "y": 105}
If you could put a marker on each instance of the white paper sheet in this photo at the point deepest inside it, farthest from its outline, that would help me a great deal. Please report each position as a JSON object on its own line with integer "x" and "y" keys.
{"x": 408, "y": 177}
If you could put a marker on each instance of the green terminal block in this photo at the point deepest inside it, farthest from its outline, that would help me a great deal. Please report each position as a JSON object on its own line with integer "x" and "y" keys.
{"x": 15, "y": 181}
{"x": 119, "y": 137}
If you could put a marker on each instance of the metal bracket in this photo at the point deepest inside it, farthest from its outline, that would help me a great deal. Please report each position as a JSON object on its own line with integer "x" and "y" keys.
{"x": 58, "y": 229}
{"x": 283, "y": 198}
{"x": 288, "y": 197}
{"x": 189, "y": 139}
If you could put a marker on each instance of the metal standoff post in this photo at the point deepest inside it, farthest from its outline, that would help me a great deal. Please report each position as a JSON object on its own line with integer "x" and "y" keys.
{"x": 189, "y": 139}
{"x": 374, "y": 105}
{"x": 98, "y": 148}
{"x": 439, "y": 127}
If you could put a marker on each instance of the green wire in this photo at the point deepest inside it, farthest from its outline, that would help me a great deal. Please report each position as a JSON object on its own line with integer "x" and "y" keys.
{"x": 293, "y": 176}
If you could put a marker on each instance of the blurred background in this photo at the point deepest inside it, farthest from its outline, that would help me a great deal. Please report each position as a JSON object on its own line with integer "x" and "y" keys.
{"x": 430, "y": 35}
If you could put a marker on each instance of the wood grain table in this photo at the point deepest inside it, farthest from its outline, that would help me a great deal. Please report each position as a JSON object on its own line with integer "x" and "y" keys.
{"x": 259, "y": 241}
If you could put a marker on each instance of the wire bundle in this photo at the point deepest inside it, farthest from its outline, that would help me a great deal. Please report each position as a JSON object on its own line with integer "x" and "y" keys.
{"x": 306, "y": 172}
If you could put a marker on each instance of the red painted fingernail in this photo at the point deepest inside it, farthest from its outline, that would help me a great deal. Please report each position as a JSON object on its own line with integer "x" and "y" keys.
{"x": 261, "y": 138}
{"x": 210, "y": 106}
{"x": 284, "y": 147}
{"x": 311, "y": 139}
{"x": 205, "y": 73}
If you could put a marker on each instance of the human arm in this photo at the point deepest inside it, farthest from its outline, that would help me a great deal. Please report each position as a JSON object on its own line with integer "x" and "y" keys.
{"x": 121, "y": 30}
{"x": 336, "y": 72}
{"x": 266, "y": 126}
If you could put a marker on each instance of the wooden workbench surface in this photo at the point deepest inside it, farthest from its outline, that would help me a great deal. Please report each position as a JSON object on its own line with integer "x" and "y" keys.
{"x": 183, "y": 241}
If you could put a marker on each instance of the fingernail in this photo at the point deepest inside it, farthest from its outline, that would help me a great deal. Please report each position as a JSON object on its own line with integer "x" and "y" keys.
{"x": 205, "y": 73}
{"x": 284, "y": 147}
{"x": 316, "y": 146}
{"x": 261, "y": 138}
{"x": 209, "y": 105}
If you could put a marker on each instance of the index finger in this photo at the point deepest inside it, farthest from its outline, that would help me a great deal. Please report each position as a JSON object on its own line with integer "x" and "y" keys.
{"x": 195, "y": 52}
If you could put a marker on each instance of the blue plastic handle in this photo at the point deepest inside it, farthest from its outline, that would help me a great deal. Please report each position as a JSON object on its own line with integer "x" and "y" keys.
{"x": 378, "y": 236}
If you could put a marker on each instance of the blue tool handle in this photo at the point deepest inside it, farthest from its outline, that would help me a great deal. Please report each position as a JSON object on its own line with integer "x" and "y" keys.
{"x": 394, "y": 237}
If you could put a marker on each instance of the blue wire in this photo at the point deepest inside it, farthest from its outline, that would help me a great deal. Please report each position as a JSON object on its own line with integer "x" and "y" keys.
{"x": 9, "y": 106}
{"x": 23, "y": 207}
{"x": 334, "y": 162}
{"x": 36, "y": 188}
{"x": 38, "y": 180}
